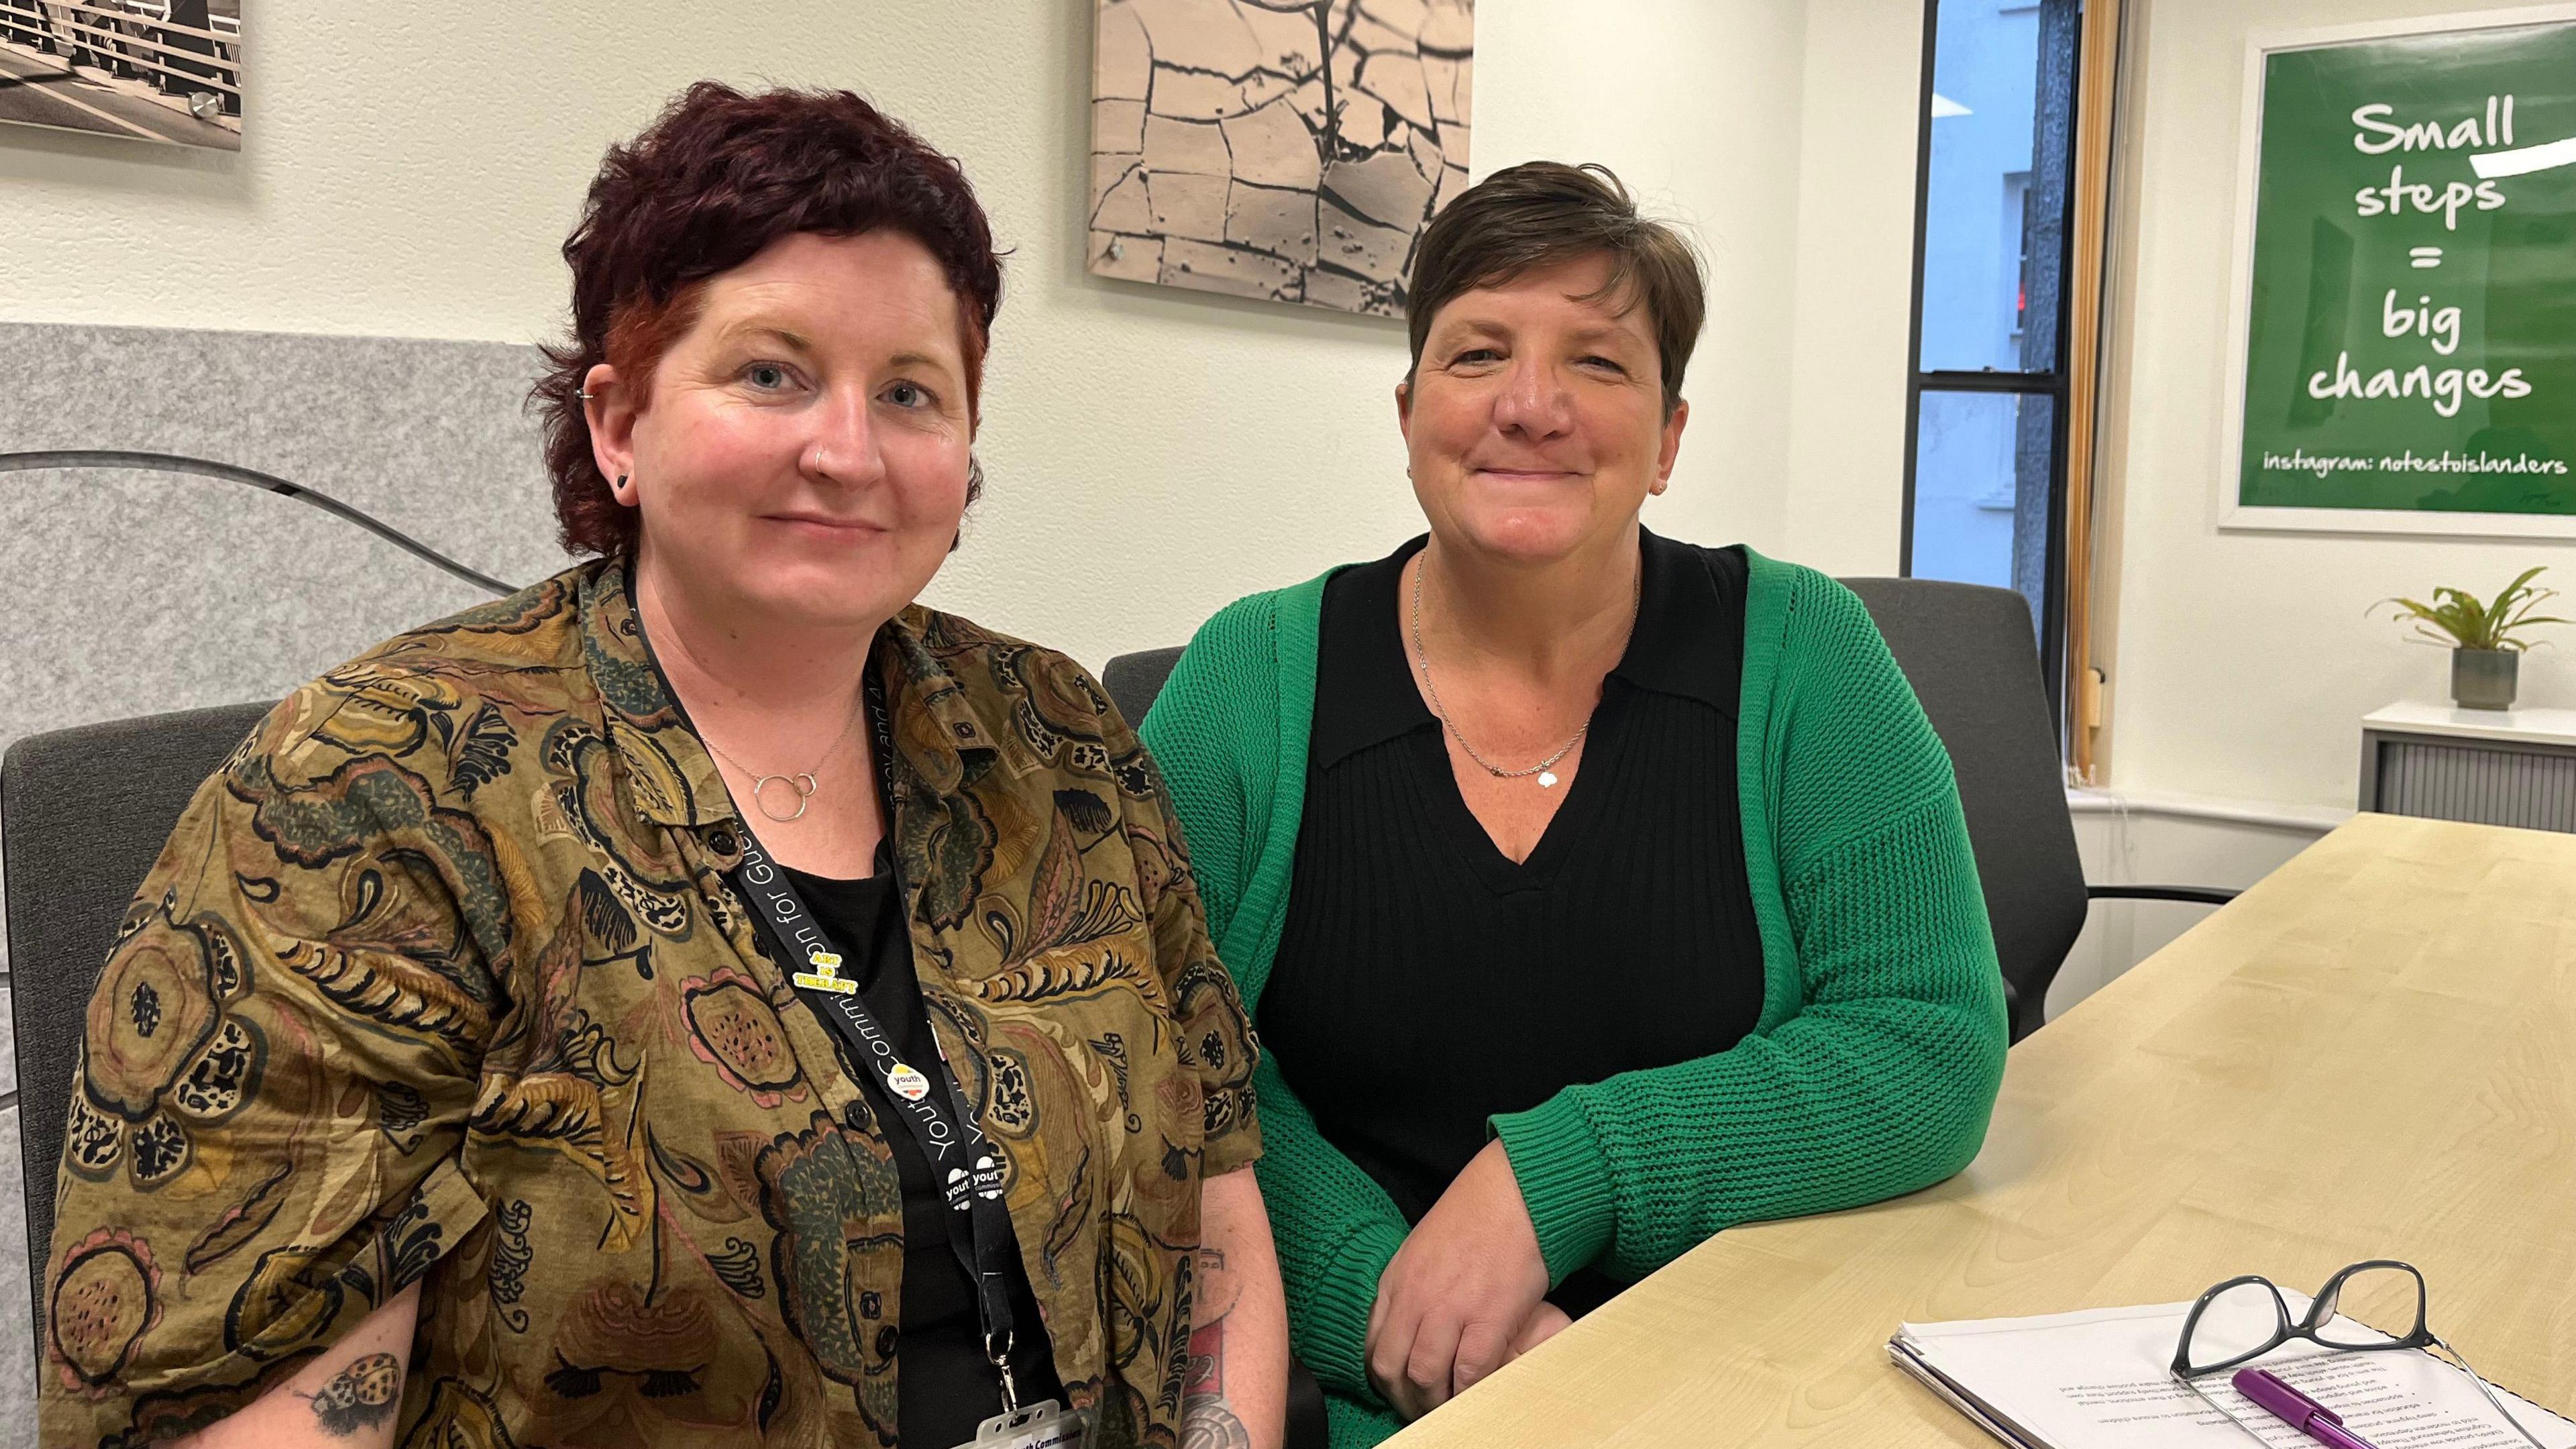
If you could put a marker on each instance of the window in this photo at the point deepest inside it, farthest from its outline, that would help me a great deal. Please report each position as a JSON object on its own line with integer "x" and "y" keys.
{"x": 1986, "y": 462}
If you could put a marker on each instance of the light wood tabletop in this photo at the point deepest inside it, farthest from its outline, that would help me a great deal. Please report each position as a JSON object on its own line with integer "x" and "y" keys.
{"x": 2370, "y": 1054}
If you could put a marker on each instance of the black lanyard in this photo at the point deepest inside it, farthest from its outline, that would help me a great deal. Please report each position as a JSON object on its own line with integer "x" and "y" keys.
{"x": 925, "y": 1095}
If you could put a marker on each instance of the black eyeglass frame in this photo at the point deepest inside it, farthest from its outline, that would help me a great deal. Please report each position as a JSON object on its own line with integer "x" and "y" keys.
{"x": 2321, "y": 1311}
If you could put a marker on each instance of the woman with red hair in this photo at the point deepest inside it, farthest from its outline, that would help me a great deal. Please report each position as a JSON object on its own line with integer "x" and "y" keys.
{"x": 705, "y": 998}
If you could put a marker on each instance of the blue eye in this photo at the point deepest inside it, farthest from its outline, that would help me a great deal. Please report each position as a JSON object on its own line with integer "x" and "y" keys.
{"x": 767, "y": 376}
{"x": 908, "y": 395}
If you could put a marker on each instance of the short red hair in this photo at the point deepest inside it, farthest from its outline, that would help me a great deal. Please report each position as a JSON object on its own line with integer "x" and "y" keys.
{"x": 709, "y": 185}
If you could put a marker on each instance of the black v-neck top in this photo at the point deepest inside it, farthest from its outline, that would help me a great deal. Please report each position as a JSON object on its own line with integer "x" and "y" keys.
{"x": 1425, "y": 982}
{"x": 944, "y": 1387}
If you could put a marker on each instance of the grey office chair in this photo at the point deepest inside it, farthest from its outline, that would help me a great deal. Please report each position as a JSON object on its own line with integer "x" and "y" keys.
{"x": 1971, "y": 656}
{"x": 83, "y": 814}
{"x": 1135, "y": 680}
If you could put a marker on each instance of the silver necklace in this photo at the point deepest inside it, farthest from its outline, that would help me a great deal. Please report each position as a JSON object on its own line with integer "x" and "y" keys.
{"x": 1544, "y": 769}
{"x": 802, "y": 783}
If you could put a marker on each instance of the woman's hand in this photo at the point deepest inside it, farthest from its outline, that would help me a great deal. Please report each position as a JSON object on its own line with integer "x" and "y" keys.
{"x": 1452, "y": 1305}
{"x": 1546, "y": 1321}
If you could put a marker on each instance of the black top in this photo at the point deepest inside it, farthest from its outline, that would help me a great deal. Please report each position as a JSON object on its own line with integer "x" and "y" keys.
{"x": 1424, "y": 982}
{"x": 944, "y": 1385}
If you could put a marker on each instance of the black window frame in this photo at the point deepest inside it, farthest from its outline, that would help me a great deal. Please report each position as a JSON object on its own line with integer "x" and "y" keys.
{"x": 2058, "y": 88}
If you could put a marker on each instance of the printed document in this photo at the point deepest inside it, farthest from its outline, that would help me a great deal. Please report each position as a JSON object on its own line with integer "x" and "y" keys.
{"x": 2101, "y": 1380}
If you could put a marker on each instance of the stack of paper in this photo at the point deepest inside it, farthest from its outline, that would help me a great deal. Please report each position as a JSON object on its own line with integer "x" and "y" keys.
{"x": 2102, "y": 1380}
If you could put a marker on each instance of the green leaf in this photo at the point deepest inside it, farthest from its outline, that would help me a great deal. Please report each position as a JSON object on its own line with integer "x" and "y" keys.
{"x": 2513, "y": 591}
{"x": 2470, "y": 622}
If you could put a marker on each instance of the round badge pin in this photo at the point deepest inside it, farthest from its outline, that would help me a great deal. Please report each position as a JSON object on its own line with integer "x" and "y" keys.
{"x": 908, "y": 1084}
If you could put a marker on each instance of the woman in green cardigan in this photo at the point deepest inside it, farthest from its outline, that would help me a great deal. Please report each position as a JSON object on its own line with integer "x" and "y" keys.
{"x": 1594, "y": 892}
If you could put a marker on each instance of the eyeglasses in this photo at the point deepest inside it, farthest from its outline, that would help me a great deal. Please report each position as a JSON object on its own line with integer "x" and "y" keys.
{"x": 2245, "y": 1318}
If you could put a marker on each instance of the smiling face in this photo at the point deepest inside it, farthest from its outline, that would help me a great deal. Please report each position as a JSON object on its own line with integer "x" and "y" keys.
{"x": 1535, "y": 417}
{"x": 803, "y": 455}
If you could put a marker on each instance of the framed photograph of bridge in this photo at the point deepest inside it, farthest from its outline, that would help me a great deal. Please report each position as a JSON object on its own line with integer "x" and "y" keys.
{"x": 1289, "y": 150}
{"x": 168, "y": 71}
{"x": 2403, "y": 355}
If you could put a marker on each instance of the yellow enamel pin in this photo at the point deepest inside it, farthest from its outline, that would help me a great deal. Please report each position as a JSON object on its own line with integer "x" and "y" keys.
{"x": 826, "y": 975}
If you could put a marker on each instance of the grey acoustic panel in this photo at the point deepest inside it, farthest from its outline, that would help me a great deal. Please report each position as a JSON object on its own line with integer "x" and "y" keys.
{"x": 2483, "y": 784}
{"x": 126, "y": 593}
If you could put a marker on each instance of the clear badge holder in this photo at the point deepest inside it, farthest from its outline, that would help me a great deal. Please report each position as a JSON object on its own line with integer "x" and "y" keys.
{"x": 1045, "y": 1424}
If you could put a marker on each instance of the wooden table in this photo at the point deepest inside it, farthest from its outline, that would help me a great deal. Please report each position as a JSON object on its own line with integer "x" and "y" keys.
{"x": 2372, "y": 1053}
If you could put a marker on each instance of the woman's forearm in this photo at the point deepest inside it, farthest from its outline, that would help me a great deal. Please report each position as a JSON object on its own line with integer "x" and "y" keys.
{"x": 347, "y": 1398}
{"x": 1238, "y": 1385}
{"x": 1881, "y": 1084}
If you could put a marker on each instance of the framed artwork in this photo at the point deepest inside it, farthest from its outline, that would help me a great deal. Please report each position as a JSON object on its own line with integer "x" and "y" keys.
{"x": 168, "y": 71}
{"x": 2403, "y": 351}
{"x": 1291, "y": 150}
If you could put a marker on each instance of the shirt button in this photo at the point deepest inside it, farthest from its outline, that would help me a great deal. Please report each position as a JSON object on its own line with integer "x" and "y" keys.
{"x": 721, "y": 841}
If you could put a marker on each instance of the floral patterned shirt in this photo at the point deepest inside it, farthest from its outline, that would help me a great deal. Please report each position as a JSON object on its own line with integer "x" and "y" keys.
{"x": 441, "y": 979}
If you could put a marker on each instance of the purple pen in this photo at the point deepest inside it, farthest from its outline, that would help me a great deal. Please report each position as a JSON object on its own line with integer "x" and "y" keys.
{"x": 2297, "y": 1410}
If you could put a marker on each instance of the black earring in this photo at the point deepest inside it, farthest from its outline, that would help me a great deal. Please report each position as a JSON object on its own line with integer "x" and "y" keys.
{"x": 621, "y": 483}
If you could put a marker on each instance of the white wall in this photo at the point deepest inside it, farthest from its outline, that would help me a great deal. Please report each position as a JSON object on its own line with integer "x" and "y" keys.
{"x": 2245, "y": 661}
{"x": 412, "y": 171}
{"x": 1855, "y": 284}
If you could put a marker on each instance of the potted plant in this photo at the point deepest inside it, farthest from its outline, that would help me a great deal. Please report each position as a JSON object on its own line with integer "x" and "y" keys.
{"x": 2484, "y": 651}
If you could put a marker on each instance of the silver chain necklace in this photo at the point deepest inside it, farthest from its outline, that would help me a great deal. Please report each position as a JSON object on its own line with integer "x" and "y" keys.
{"x": 1544, "y": 769}
{"x": 802, "y": 782}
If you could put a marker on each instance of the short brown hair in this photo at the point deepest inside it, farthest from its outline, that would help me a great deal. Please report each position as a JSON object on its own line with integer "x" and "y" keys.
{"x": 1543, "y": 213}
{"x": 709, "y": 185}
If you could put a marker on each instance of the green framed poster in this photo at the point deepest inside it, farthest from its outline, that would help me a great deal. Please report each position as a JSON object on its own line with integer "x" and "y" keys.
{"x": 2404, "y": 350}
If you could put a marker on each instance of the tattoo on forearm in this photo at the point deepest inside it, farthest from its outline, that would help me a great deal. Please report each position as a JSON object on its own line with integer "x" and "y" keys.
{"x": 1211, "y": 1424}
{"x": 361, "y": 1396}
{"x": 1207, "y": 1420}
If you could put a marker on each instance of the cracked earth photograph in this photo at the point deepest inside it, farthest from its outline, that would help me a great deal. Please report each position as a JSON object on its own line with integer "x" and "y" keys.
{"x": 1291, "y": 150}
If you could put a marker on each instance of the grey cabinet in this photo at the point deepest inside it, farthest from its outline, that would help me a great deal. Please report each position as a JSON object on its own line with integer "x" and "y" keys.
{"x": 2488, "y": 767}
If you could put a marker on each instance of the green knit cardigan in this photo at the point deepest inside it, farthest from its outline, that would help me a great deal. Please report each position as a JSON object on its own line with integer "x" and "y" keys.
{"x": 1880, "y": 1047}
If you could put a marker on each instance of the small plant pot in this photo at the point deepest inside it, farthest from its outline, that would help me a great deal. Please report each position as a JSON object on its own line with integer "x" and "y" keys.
{"x": 2483, "y": 678}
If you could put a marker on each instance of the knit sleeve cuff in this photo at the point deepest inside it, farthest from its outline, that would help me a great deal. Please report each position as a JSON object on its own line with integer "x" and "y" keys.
{"x": 1332, "y": 1314}
{"x": 1564, "y": 1181}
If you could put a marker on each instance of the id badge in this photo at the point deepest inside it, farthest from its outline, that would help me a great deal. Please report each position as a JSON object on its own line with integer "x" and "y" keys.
{"x": 1045, "y": 1424}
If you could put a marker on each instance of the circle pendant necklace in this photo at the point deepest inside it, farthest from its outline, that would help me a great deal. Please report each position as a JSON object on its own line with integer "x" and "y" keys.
{"x": 801, "y": 784}
{"x": 1545, "y": 769}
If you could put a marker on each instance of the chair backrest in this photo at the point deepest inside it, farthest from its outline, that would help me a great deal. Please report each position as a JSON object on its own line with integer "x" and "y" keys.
{"x": 83, "y": 814}
{"x": 1133, "y": 680}
{"x": 1973, "y": 659}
